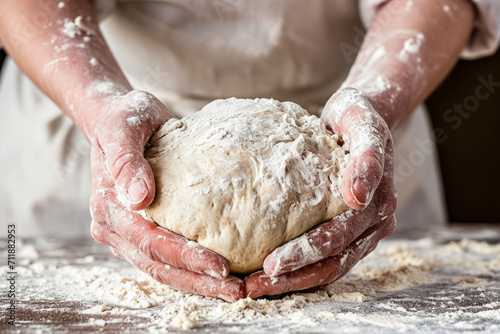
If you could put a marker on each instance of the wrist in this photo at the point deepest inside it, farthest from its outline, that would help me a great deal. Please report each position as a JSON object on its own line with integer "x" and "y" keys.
{"x": 98, "y": 105}
{"x": 135, "y": 109}
{"x": 90, "y": 113}
{"x": 86, "y": 97}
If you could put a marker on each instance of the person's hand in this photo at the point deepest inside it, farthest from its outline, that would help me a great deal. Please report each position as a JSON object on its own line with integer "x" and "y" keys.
{"x": 122, "y": 181}
{"x": 328, "y": 251}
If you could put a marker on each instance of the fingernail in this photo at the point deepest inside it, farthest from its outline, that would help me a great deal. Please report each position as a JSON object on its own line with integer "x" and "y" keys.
{"x": 137, "y": 191}
{"x": 212, "y": 273}
{"x": 277, "y": 269}
{"x": 272, "y": 264}
{"x": 361, "y": 191}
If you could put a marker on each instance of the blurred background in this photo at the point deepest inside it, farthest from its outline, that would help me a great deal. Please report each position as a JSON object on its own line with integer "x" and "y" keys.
{"x": 470, "y": 153}
{"x": 470, "y": 156}
{"x": 2, "y": 56}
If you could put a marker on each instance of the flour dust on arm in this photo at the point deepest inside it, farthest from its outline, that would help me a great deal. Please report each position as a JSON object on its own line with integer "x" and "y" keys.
{"x": 409, "y": 48}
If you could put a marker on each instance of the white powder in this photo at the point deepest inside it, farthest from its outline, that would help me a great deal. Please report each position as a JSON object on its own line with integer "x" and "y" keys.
{"x": 408, "y": 5}
{"x": 70, "y": 29}
{"x": 133, "y": 121}
{"x": 98, "y": 322}
{"x": 368, "y": 137}
{"x": 411, "y": 46}
{"x": 375, "y": 56}
{"x": 82, "y": 26}
{"x": 75, "y": 28}
{"x": 63, "y": 47}
{"x": 434, "y": 292}
{"x": 104, "y": 88}
{"x": 28, "y": 252}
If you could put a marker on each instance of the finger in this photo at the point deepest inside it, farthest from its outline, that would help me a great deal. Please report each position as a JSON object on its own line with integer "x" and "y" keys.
{"x": 116, "y": 253}
{"x": 97, "y": 232}
{"x": 162, "y": 245}
{"x": 124, "y": 148}
{"x": 320, "y": 273}
{"x": 330, "y": 238}
{"x": 230, "y": 289}
{"x": 351, "y": 115}
{"x": 150, "y": 239}
{"x": 134, "y": 175}
{"x": 131, "y": 171}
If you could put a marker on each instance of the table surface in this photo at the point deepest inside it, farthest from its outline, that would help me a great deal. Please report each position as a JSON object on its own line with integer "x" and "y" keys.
{"x": 415, "y": 309}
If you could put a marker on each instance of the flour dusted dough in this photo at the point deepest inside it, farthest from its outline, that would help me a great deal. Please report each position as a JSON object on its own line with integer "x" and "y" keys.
{"x": 242, "y": 177}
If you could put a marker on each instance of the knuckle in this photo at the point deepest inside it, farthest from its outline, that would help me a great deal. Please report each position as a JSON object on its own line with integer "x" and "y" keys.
{"x": 371, "y": 249}
{"x": 145, "y": 246}
{"x": 388, "y": 201}
{"x": 375, "y": 158}
{"x": 152, "y": 269}
{"x": 115, "y": 252}
{"x": 93, "y": 207}
{"x": 119, "y": 163}
{"x": 389, "y": 227}
{"x": 97, "y": 207}
{"x": 97, "y": 232}
{"x": 392, "y": 225}
{"x": 392, "y": 205}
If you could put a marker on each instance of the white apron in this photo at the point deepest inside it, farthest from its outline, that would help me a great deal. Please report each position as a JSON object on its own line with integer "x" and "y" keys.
{"x": 188, "y": 53}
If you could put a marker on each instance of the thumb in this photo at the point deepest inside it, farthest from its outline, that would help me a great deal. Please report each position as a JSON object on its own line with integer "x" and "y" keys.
{"x": 132, "y": 172}
{"x": 352, "y": 116}
{"x": 123, "y": 138}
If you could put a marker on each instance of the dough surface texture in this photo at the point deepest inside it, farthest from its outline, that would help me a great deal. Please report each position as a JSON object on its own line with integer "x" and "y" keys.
{"x": 242, "y": 177}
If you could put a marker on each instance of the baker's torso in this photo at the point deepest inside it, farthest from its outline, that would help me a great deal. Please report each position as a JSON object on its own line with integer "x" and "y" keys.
{"x": 202, "y": 50}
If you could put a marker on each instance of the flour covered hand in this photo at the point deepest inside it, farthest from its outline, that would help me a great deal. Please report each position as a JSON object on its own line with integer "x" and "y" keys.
{"x": 328, "y": 251}
{"x": 123, "y": 182}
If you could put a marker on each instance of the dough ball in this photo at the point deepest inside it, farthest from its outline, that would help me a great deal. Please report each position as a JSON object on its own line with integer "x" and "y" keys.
{"x": 242, "y": 177}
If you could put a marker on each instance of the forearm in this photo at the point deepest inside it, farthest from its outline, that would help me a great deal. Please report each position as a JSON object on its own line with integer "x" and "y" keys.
{"x": 69, "y": 62}
{"x": 408, "y": 50}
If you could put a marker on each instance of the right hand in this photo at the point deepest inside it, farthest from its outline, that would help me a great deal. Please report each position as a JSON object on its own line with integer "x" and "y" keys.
{"x": 122, "y": 181}
{"x": 328, "y": 251}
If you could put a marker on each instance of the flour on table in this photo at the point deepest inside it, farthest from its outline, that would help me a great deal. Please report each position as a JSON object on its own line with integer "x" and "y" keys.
{"x": 242, "y": 177}
{"x": 373, "y": 293}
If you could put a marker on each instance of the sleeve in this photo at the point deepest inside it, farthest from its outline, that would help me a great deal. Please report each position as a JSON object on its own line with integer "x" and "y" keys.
{"x": 485, "y": 37}
{"x": 102, "y": 8}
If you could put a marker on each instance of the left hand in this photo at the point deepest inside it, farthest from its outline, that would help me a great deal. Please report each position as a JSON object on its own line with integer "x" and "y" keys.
{"x": 118, "y": 166}
{"x": 330, "y": 250}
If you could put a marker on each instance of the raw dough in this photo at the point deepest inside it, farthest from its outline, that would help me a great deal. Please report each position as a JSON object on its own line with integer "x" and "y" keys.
{"x": 242, "y": 177}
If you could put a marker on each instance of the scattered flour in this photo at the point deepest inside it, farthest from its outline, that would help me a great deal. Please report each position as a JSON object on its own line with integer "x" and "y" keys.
{"x": 28, "y": 252}
{"x": 411, "y": 46}
{"x": 394, "y": 266}
{"x": 104, "y": 88}
{"x": 70, "y": 29}
{"x": 133, "y": 121}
